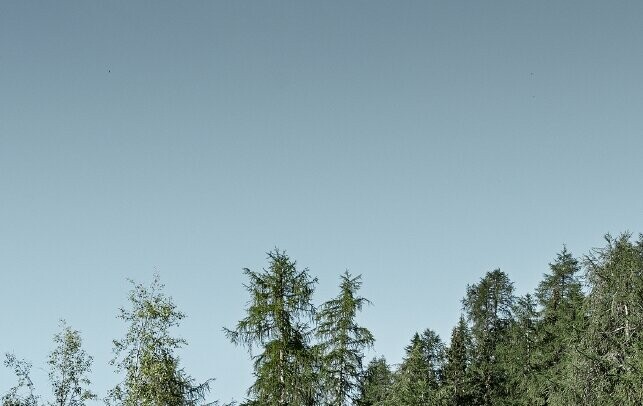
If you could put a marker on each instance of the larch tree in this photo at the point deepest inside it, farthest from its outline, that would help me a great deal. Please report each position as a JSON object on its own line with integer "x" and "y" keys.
{"x": 611, "y": 344}
{"x": 342, "y": 343}
{"x": 277, "y": 324}
{"x": 147, "y": 353}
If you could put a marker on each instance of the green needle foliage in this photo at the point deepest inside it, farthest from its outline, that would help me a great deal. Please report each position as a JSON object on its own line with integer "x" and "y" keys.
{"x": 69, "y": 366}
{"x": 277, "y": 324}
{"x": 375, "y": 384}
{"x": 418, "y": 379}
{"x": 147, "y": 353}
{"x": 489, "y": 308}
{"x": 342, "y": 342}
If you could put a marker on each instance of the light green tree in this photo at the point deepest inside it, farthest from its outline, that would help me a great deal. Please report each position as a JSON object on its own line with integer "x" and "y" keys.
{"x": 342, "y": 342}
{"x": 69, "y": 366}
{"x": 146, "y": 355}
{"x": 22, "y": 394}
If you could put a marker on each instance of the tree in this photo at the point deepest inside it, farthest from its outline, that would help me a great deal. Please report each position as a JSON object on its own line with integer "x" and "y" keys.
{"x": 559, "y": 330}
{"x": 147, "y": 353}
{"x": 69, "y": 366}
{"x": 342, "y": 342}
{"x": 417, "y": 381}
{"x": 611, "y": 344}
{"x": 22, "y": 394}
{"x": 375, "y": 383}
{"x": 277, "y": 323}
{"x": 456, "y": 369}
{"x": 488, "y": 305}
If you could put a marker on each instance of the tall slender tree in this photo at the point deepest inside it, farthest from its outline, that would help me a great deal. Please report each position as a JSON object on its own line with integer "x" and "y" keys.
{"x": 278, "y": 325}
{"x": 342, "y": 342}
{"x": 488, "y": 305}
{"x": 147, "y": 355}
{"x": 559, "y": 331}
{"x": 69, "y": 366}
{"x": 456, "y": 370}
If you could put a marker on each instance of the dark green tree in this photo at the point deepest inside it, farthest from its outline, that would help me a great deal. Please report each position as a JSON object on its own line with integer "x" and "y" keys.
{"x": 417, "y": 381}
{"x": 488, "y": 305}
{"x": 277, "y": 323}
{"x": 612, "y": 341}
{"x": 456, "y": 369}
{"x": 559, "y": 330}
{"x": 342, "y": 342}
{"x": 146, "y": 355}
{"x": 375, "y": 383}
{"x": 69, "y": 366}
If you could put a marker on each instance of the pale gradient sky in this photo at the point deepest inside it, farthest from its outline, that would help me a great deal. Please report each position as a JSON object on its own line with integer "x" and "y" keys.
{"x": 420, "y": 144}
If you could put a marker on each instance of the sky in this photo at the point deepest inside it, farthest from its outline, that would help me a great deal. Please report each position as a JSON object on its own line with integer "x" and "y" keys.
{"x": 419, "y": 144}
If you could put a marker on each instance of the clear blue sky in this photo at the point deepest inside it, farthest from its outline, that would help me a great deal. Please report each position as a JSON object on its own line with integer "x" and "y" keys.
{"x": 420, "y": 144}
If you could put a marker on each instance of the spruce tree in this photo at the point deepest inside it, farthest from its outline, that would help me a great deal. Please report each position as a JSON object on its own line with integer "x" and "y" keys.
{"x": 342, "y": 342}
{"x": 456, "y": 369}
{"x": 559, "y": 329}
{"x": 277, "y": 324}
{"x": 417, "y": 381}
{"x": 375, "y": 383}
{"x": 488, "y": 305}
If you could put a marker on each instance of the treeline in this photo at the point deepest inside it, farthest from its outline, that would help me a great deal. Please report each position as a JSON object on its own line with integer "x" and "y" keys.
{"x": 576, "y": 340}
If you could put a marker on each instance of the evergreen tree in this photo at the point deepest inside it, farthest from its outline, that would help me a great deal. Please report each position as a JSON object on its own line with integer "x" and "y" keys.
{"x": 488, "y": 305}
{"x": 342, "y": 342}
{"x": 456, "y": 369}
{"x": 277, "y": 320}
{"x": 69, "y": 365}
{"x": 375, "y": 383}
{"x": 518, "y": 354}
{"x": 561, "y": 321}
{"x": 147, "y": 356}
{"x": 612, "y": 342}
{"x": 417, "y": 381}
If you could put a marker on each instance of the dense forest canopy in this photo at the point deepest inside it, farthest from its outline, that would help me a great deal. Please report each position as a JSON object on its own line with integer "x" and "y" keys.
{"x": 576, "y": 340}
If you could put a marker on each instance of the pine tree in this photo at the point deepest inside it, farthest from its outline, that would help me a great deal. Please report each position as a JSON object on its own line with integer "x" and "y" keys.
{"x": 69, "y": 366}
{"x": 375, "y": 383}
{"x": 488, "y": 305}
{"x": 277, "y": 320}
{"x": 147, "y": 356}
{"x": 342, "y": 342}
